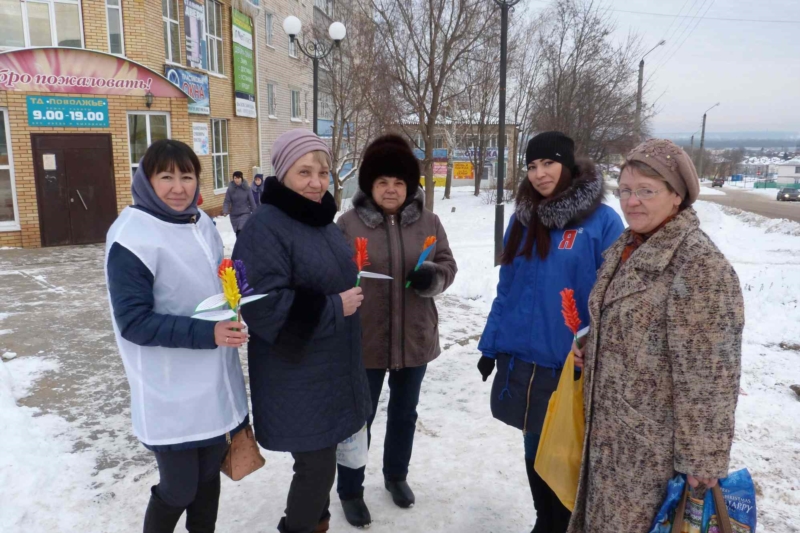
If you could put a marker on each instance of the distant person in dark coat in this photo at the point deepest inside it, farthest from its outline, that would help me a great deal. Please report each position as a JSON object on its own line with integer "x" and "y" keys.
{"x": 307, "y": 381}
{"x": 258, "y": 188}
{"x": 239, "y": 203}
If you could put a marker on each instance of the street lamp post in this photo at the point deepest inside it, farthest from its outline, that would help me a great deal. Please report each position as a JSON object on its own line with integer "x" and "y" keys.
{"x": 314, "y": 50}
{"x": 639, "y": 93}
{"x": 499, "y": 214}
{"x": 703, "y": 139}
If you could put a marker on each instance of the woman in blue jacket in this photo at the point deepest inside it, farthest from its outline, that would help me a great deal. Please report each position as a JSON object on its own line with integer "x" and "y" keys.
{"x": 555, "y": 241}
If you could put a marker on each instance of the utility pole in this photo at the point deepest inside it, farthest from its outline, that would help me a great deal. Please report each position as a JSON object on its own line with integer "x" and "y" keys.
{"x": 499, "y": 214}
{"x": 638, "y": 128}
{"x": 703, "y": 139}
{"x": 692, "y": 145}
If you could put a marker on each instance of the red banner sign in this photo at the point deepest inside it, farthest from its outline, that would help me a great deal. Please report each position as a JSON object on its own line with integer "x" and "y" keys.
{"x": 75, "y": 70}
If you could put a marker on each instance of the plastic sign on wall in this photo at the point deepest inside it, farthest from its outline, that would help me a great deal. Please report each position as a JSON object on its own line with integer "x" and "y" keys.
{"x": 193, "y": 84}
{"x": 462, "y": 170}
{"x": 244, "y": 84}
{"x": 67, "y": 112}
{"x": 79, "y": 71}
{"x": 195, "y": 25}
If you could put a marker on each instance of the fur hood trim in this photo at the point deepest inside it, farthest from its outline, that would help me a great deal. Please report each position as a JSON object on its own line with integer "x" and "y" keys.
{"x": 571, "y": 206}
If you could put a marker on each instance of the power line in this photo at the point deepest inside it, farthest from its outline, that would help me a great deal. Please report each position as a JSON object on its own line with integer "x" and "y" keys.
{"x": 677, "y": 41}
{"x": 725, "y": 19}
{"x": 699, "y": 20}
{"x": 663, "y": 52}
{"x": 708, "y": 18}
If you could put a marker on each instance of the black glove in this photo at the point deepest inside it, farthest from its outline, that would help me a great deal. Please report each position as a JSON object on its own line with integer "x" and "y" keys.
{"x": 486, "y": 367}
{"x": 422, "y": 279}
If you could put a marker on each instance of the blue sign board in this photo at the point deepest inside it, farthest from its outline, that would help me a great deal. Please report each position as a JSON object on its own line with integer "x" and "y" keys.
{"x": 193, "y": 84}
{"x": 67, "y": 112}
{"x": 438, "y": 153}
{"x": 736, "y": 177}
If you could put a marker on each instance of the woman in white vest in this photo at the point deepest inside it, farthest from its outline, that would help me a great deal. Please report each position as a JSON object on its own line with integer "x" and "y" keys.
{"x": 187, "y": 388}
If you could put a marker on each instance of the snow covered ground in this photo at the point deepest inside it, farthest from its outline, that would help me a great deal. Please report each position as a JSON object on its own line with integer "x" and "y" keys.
{"x": 467, "y": 469}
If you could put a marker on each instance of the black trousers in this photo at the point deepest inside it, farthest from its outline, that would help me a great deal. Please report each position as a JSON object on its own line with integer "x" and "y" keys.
{"x": 189, "y": 480}
{"x": 309, "y": 494}
{"x": 551, "y": 515}
{"x": 401, "y": 423}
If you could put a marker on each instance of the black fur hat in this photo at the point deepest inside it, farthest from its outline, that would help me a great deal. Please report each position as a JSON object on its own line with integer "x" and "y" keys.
{"x": 390, "y": 156}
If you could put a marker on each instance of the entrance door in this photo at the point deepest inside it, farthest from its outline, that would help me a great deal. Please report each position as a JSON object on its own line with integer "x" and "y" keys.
{"x": 75, "y": 187}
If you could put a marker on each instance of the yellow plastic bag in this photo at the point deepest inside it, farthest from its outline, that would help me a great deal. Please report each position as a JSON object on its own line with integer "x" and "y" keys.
{"x": 558, "y": 458}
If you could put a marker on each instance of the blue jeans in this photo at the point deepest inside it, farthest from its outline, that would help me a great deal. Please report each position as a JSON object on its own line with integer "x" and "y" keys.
{"x": 401, "y": 423}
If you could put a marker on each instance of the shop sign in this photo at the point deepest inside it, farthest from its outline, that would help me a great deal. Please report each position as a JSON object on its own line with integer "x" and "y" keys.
{"x": 67, "y": 112}
{"x": 193, "y": 84}
{"x": 200, "y": 137}
{"x": 462, "y": 170}
{"x": 195, "y": 24}
{"x": 244, "y": 84}
{"x": 75, "y": 70}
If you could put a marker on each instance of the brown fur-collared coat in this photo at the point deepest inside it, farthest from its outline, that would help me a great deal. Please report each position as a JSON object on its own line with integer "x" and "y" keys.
{"x": 662, "y": 370}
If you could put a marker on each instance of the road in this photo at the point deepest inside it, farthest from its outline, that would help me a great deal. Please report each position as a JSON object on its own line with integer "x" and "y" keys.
{"x": 766, "y": 206}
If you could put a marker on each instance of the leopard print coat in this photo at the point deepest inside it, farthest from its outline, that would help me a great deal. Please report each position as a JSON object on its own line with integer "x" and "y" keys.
{"x": 662, "y": 375}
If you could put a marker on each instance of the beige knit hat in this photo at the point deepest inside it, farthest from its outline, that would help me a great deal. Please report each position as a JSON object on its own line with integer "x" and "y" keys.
{"x": 672, "y": 163}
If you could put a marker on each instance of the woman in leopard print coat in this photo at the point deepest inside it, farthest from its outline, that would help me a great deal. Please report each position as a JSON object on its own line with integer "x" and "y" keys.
{"x": 663, "y": 357}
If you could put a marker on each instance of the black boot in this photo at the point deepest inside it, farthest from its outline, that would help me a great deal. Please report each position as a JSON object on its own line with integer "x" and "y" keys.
{"x": 201, "y": 515}
{"x": 401, "y": 493}
{"x": 160, "y": 517}
{"x": 357, "y": 513}
{"x": 537, "y": 492}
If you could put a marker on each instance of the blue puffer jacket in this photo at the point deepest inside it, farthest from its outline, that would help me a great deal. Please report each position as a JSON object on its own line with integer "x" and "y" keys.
{"x": 307, "y": 381}
{"x": 526, "y": 321}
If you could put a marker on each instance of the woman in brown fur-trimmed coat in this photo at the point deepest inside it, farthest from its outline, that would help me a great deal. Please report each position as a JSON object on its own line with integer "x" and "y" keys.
{"x": 663, "y": 358}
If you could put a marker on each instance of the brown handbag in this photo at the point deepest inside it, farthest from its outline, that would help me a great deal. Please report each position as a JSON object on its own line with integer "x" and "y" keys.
{"x": 719, "y": 504}
{"x": 243, "y": 456}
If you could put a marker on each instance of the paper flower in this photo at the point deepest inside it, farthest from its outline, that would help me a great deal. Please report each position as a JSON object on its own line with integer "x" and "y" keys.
{"x": 230, "y": 288}
{"x": 235, "y": 293}
{"x": 224, "y": 265}
{"x": 427, "y": 246}
{"x": 362, "y": 259}
{"x": 569, "y": 309}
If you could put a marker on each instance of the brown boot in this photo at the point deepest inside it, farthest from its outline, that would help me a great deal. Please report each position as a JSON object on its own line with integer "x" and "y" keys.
{"x": 323, "y": 526}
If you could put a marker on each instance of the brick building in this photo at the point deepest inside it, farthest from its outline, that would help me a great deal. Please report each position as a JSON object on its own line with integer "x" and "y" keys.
{"x": 284, "y": 73}
{"x": 85, "y": 88}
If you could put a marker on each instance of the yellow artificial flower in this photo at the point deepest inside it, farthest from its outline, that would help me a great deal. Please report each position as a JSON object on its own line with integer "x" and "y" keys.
{"x": 230, "y": 287}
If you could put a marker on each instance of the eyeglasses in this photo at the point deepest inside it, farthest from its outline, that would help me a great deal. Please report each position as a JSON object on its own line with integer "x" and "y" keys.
{"x": 641, "y": 194}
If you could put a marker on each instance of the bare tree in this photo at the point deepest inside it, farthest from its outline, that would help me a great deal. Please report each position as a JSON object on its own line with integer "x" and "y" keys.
{"x": 525, "y": 64}
{"x": 422, "y": 43}
{"x": 588, "y": 84}
{"x": 349, "y": 73}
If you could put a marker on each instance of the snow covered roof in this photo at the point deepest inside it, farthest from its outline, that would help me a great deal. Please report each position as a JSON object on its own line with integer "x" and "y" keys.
{"x": 791, "y": 162}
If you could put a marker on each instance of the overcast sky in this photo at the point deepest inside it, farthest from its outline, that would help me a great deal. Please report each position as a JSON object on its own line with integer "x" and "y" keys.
{"x": 751, "y": 68}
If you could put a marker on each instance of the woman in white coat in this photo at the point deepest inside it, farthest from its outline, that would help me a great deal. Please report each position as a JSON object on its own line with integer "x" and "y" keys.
{"x": 187, "y": 388}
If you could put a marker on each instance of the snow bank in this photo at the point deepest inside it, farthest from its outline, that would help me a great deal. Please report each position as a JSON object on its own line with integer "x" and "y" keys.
{"x": 708, "y": 191}
{"x": 49, "y": 481}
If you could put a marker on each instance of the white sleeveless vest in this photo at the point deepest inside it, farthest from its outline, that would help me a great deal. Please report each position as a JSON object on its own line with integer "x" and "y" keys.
{"x": 177, "y": 394}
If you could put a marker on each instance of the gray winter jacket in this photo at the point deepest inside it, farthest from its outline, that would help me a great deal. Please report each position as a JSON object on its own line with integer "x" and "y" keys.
{"x": 239, "y": 204}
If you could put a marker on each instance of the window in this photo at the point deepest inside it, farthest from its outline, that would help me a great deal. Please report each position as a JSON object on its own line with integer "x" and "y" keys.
{"x": 143, "y": 130}
{"x": 797, "y": 170}
{"x": 172, "y": 30}
{"x": 214, "y": 37}
{"x": 40, "y": 23}
{"x": 272, "y": 108}
{"x": 270, "y": 30}
{"x": 8, "y": 197}
{"x": 421, "y": 142}
{"x": 325, "y": 106}
{"x": 296, "y": 112}
{"x": 438, "y": 142}
{"x": 292, "y": 48}
{"x": 219, "y": 152}
{"x": 305, "y": 105}
{"x": 114, "y": 20}
{"x": 324, "y": 6}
